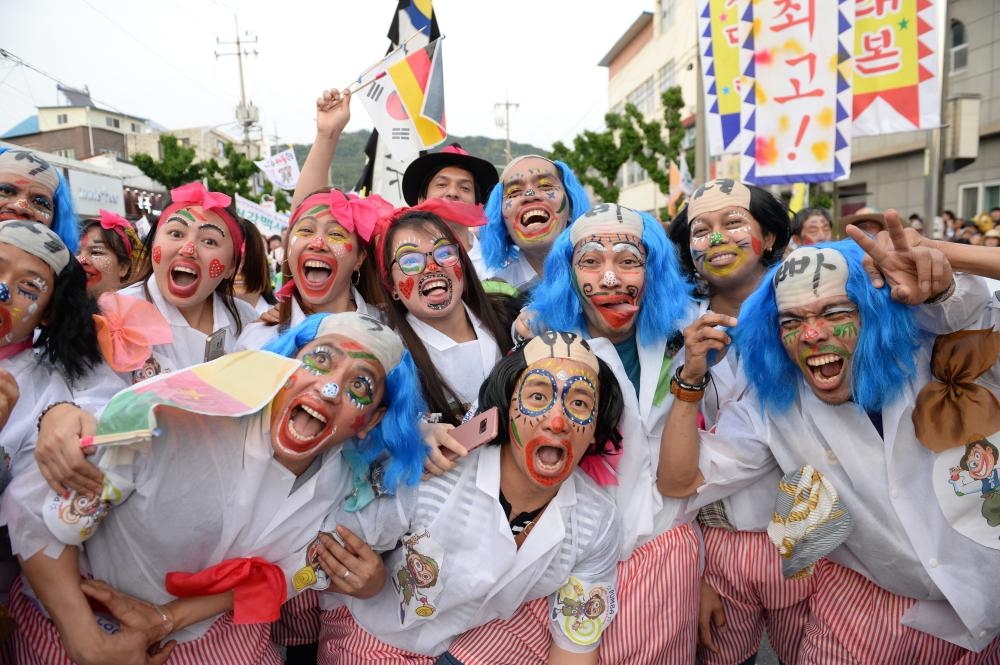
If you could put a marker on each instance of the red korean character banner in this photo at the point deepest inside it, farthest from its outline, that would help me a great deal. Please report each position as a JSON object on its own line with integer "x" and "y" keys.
{"x": 796, "y": 107}
{"x": 896, "y": 87}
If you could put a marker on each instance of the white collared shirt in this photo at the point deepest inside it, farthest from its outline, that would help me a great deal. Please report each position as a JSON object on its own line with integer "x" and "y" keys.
{"x": 258, "y": 334}
{"x": 463, "y": 365}
{"x": 188, "y": 347}
{"x": 481, "y": 574}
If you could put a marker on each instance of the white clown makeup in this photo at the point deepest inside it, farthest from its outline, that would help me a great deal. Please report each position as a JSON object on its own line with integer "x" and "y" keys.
{"x": 192, "y": 253}
{"x": 26, "y": 285}
{"x": 334, "y": 395}
{"x": 27, "y": 187}
{"x": 819, "y": 323}
{"x": 552, "y": 418}
{"x": 727, "y": 243}
{"x": 322, "y": 254}
{"x": 104, "y": 271}
{"x": 427, "y": 273}
{"x": 535, "y": 204}
{"x": 610, "y": 273}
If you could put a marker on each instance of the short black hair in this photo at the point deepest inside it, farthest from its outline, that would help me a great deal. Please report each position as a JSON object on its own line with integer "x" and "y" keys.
{"x": 498, "y": 389}
{"x": 799, "y": 220}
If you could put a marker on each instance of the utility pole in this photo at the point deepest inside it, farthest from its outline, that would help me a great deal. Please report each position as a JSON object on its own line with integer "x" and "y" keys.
{"x": 501, "y": 111}
{"x": 246, "y": 114}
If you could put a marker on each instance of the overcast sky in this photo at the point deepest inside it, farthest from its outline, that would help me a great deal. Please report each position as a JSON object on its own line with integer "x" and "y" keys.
{"x": 156, "y": 59}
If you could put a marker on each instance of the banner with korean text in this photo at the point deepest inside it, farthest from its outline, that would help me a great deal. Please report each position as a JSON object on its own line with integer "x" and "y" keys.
{"x": 282, "y": 169}
{"x": 796, "y": 105}
{"x": 267, "y": 221}
{"x": 896, "y": 86}
{"x": 719, "y": 30}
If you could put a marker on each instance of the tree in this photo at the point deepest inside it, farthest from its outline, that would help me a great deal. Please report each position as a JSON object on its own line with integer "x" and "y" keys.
{"x": 177, "y": 166}
{"x": 597, "y": 157}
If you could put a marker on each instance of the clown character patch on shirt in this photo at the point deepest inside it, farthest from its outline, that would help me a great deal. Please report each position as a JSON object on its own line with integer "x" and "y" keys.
{"x": 312, "y": 574}
{"x": 967, "y": 484}
{"x": 582, "y": 612}
{"x": 415, "y": 570}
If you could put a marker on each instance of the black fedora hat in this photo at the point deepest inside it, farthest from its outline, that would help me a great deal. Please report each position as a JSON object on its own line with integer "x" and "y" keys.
{"x": 423, "y": 168}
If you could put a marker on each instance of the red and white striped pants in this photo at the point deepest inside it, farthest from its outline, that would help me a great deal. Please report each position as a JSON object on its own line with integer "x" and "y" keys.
{"x": 343, "y": 641}
{"x": 745, "y": 570}
{"x": 299, "y": 621}
{"x": 852, "y": 620}
{"x": 657, "y": 621}
{"x": 37, "y": 641}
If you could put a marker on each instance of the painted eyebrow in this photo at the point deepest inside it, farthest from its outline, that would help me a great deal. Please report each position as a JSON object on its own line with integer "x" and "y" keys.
{"x": 210, "y": 226}
{"x": 537, "y": 380}
{"x": 180, "y": 218}
{"x": 406, "y": 246}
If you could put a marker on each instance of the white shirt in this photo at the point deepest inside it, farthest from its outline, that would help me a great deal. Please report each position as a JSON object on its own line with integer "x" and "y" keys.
{"x": 188, "y": 347}
{"x": 258, "y": 334}
{"x": 645, "y": 512}
{"x": 206, "y": 490}
{"x": 457, "y": 521}
{"x": 463, "y": 365}
{"x": 900, "y": 539}
{"x": 518, "y": 272}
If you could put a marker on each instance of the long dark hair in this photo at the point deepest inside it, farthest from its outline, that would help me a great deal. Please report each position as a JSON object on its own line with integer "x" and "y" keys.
{"x": 251, "y": 262}
{"x": 439, "y": 395}
{"x": 67, "y": 335}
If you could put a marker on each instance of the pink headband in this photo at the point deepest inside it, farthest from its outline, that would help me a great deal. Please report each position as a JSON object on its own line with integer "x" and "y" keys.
{"x": 354, "y": 214}
{"x": 457, "y": 212}
{"x": 195, "y": 194}
{"x": 112, "y": 221}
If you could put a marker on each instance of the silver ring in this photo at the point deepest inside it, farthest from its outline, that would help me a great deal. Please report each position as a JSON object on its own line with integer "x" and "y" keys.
{"x": 347, "y": 574}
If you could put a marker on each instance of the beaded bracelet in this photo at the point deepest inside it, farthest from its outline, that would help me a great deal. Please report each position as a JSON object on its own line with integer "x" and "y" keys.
{"x": 38, "y": 425}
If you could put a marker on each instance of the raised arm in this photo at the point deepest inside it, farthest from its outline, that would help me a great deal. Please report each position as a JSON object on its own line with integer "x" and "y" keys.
{"x": 333, "y": 111}
{"x": 678, "y": 474}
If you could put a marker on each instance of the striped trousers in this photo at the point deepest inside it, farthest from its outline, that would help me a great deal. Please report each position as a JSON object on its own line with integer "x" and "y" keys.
{"x": 343, "y": 641}
{"x": 745, "y": 570}
{"x": 657, "y": 619}
{"x": 299, "y": 621}
{"x": 853, "y": 620}
{"x": 37, "y": 641}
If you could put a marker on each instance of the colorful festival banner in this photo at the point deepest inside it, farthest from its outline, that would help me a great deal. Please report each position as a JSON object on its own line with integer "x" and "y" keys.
{"x": 896, "y": 88}
{"x": 267, "y": 221}
{"x": 720, "y": 38}
{"x": 796, "y": 108}
{"x": 419, "y": 83}
{"x": 233, "y": 385}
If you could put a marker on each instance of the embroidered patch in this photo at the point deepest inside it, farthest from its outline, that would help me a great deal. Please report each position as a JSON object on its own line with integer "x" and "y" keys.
{"x": 581, "y": 612}
{"x": 312, "y": 574}
{"x": 967, "y": 484}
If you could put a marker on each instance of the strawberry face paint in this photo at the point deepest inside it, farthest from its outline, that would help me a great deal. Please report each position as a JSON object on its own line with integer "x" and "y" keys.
{"x": 551, "y": 419}
{"x": 157, "y": 254}
{"x": 406, "y": 287}
{"x": 322, "y": 254}
{"x": 216, "y": 268}
{"x": 610, "y": 272}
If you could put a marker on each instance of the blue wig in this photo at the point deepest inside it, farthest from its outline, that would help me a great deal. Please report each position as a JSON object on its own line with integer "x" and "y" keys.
{"x": 398, "y": 433}
{"x": 883, "y": 361}
{"x": 665, "y": 300}
{"x": 497, "y": 248}
{"x": 64, "y": 220}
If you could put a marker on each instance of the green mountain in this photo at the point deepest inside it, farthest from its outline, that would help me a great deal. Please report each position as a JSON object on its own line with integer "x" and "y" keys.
{"x": 349, "y": 159}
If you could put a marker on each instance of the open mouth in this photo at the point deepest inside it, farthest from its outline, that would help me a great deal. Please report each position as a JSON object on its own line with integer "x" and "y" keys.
{"x": 183, "y": 279}
{"x": 535, "y": 222}
{"x": 550, "y": 462}
{"x": 436, "y": 290}
{"x": 723, "y": 258}
{"x": 826, "y": 369}
{"x": 316, "y": 273}
{"x": 618, "y": 309}
{"x": 304, "y": 428}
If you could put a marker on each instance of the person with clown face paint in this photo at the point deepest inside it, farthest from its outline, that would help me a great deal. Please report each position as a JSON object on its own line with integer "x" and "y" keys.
{"x": 534, "y": 201}
{"x": 728, "y": 236}
{"x": 835, "y": 369}
{"x": 600, "y": 283}
{"x": 196, "y": 247}
{"x": 33, "y": 189}
{"x": 200, "y": 530}
{"x": 514, "y": 522}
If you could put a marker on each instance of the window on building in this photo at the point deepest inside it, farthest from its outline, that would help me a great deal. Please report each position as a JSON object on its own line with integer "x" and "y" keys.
{"x": 62, "y": 118}
{"x": 634, "y": 174}
{"x": 959, "y": 47}
{"x": 666, "y": 13}
{"x": 642, "y": 97}
{"x": 66, "y": 152}
{"x": 978, "y": 198}
{"x": 135, "y": 128}
{"x": 112, "y": 122}
{"x": 666, "y": 77}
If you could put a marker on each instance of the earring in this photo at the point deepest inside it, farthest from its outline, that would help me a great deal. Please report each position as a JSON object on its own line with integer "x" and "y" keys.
{"x": 355, "y": 277}
{"x": 395, "y": 295}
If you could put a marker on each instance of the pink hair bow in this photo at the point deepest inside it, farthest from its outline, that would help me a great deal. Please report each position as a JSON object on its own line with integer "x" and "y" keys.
{"x": 355, "y": 214}
{"x": 195, "y": 193}
{"x": 112, "y": 221}
{"x": 127, "y": 329}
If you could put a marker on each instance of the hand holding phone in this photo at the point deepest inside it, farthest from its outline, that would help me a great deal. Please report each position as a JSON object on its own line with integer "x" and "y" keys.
{"x": 478, "y": 430}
